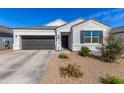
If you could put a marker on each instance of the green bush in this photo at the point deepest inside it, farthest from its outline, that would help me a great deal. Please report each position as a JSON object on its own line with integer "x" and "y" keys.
{"x": 112, "y": 80}
{"x": 84, "y": 51}
{"x": 63, "y": 56}
{"x": 112, "y": 50}
{"x": 70, "y": 71}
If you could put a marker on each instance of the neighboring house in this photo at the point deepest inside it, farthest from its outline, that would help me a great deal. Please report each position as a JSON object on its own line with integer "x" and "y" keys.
{"x": 60, "y": 34}
{"x": 118, "y": 32}
{"x": 6, "y": 37}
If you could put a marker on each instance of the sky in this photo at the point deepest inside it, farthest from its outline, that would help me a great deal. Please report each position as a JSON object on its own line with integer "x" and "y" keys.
{"x": 19, "y": 17}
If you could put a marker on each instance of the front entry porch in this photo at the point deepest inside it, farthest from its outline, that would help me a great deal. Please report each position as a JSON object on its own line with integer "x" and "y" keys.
{"x": 65, "y": 40}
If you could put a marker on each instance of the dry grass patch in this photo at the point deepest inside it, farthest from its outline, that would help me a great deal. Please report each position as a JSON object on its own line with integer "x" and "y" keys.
{"x": 63, "y": 56}
{"x": 111, "y": 80}
{"x": 71, "y": 70}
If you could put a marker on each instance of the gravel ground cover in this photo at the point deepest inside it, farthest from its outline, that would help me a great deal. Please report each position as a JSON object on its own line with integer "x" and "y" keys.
{"x": 92, "y": 68}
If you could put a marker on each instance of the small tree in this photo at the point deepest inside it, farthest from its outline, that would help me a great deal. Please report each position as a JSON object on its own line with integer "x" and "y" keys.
{"x": 112, "y": 50}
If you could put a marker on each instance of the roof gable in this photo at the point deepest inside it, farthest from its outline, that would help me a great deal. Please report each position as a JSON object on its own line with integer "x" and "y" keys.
{"x": 95, "y": 22}
{"x": 100, "y": 22}
{"x": 74, "y": 22}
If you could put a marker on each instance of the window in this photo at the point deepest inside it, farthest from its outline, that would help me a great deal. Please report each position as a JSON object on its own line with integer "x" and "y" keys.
{"x": 87, "y": 36}
{"x": 91, "y": 36}
{"x": 95, "y": 36}
{"x": 87, "y": 33}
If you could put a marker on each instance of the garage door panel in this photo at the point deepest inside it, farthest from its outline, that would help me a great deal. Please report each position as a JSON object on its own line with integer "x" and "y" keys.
{"x": 37, "y": 47}
{"x": 38, "y": 42}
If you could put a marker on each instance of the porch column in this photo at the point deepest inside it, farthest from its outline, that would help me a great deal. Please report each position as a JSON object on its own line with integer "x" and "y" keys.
{"x": 58, "y": 41}
{"x": 17, "y": 45}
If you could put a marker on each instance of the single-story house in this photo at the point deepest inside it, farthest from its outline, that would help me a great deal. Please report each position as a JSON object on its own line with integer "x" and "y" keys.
{"x": 60, "y": 34}
{"x": 6, "y": 37}
{"x": 118, "y": 32}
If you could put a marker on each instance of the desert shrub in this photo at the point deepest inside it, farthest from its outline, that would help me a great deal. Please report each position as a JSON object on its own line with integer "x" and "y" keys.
{"x": 70, "y": 71}
{"x": 84, "y": 51}
{"x": 112, "y": 50}
{"x": 63, "y": 56}
{"x": 112, "y": 80}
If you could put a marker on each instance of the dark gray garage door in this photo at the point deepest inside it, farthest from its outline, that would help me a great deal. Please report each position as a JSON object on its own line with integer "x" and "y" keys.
{"x": 38, "y": 42}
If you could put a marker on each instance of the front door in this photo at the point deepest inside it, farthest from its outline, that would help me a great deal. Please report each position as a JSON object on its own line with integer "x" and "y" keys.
{"x": 64, "y": 41}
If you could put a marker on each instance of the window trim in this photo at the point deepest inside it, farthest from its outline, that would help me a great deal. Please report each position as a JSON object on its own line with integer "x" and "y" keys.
{"x": 91, "y": 37}
{"x": 95, "y": 37}
{"x": 87, "y": 36}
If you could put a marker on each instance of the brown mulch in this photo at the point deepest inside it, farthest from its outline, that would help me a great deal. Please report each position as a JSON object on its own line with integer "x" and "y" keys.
{"x": 5, "y": 51}
{"x": 92, "y": 68}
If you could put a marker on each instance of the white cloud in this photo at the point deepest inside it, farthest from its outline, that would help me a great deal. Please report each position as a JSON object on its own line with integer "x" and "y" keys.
{"x": 105, "y": 13}
{"x": 114, "y": 17}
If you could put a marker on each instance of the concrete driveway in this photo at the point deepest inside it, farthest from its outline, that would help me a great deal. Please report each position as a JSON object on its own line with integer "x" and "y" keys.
{"x": 25, "y": 67}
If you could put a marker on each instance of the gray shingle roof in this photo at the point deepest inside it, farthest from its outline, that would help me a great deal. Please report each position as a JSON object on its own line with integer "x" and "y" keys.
{"x": 54, "y": 27}
{"x": 119, "y": 29}
{"x": 38, "y": 27}
{"x": 71, "y": 21}
{"x": 5, "y": 29}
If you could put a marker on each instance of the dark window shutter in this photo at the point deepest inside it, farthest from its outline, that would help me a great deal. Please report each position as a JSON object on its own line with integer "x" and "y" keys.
{"x": 101, "y": 37}
{"x": 81, "y": 37}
